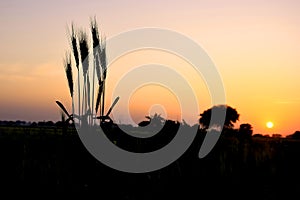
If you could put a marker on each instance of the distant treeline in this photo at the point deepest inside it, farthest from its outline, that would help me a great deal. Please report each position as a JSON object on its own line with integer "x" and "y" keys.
{"x": 18, "y": 123}
{"x": 60, "y": 124}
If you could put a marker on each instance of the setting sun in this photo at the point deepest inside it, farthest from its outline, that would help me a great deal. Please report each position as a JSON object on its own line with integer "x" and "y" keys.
{"x": 269, "y": 124}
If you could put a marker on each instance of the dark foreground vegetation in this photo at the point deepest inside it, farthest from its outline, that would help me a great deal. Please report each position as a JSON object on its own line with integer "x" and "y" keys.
{"x": 51, "y": 160}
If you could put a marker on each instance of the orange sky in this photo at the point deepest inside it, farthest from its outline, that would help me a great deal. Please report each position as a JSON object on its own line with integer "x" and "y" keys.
{"x": 255, "y": 46}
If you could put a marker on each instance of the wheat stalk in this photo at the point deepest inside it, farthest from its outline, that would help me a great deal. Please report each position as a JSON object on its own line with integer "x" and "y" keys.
{"x": 95, "y": 33}
{"x": 76, "y": 57}
{"x": 80, "y": 50}
{"x": 74, "y": 46}
{"x": 104, "y": 70}
{"x": 103, "y": 57}
{"x": 100, "y": 90}
{"x": 88, "y": 85}
{"x": 68, "y": 70}
{"x": 84, "y": 52}
{"x": 96, "y": 50}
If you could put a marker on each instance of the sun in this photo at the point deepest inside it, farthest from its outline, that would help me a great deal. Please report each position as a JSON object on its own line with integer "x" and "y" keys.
{"x": 269, "y": 124}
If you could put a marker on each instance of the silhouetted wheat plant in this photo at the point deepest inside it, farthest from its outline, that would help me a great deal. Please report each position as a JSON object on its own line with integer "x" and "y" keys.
{"x": 104, "y": 71}
{"x": 76, "y": 57}
{"x": 96, "y": 42}
{"x": 68, "y": 69}
{"x": 84, "y": 53}
{"x": 89, "y": 102}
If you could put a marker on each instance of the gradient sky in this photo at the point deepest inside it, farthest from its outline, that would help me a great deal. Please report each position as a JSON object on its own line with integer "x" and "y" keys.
{"x": 254, "y": 44}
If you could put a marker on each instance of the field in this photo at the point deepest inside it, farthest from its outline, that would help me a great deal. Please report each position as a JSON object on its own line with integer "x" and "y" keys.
{"x": 50, "y": 160}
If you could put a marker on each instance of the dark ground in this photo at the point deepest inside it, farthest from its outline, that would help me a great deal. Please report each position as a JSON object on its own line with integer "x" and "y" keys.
{"x": 42, "y": 159}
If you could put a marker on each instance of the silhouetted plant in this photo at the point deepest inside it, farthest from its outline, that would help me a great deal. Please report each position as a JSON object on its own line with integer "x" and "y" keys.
{"x": 76, "y": 57}
{"x": 155, "y": 120}
{"x": 246, "y": 130}
{"x": 104, "y": 71}
{"x": 68, "y": 69}
{"x": 231, "y": 116}
{"x": 70, "y": 116}
{"x": 87, "y": 107}
{"x": 96, "y": 62}
{"x": 99, "y": 94}
{"x": 84, "y": 55}
{"x": 99, "y": 53}
{"x": 145, "y": 123}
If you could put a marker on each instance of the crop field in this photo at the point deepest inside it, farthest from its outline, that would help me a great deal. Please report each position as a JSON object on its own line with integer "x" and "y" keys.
{"x": 52, "y": 160}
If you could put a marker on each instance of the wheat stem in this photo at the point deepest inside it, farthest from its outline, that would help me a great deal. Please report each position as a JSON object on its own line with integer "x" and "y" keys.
{"x": 76, "y": 56}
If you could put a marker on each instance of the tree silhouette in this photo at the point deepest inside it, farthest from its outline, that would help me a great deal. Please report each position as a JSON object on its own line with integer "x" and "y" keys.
{"x": 231, "y": 116}
{"x": 245, "y": 130}
{"x": 295, "y": 135}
